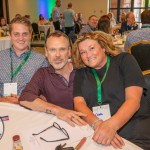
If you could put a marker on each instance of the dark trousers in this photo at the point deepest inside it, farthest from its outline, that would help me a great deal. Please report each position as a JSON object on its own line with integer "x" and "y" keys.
{"x": 56, "y": 25}
{"x": 68, "y": 30}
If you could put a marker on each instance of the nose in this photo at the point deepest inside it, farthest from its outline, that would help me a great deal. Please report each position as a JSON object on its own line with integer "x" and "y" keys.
{"x": 21, "y": 37}
{"x": 88, "y": 54}
{"x": 57, "y": 53}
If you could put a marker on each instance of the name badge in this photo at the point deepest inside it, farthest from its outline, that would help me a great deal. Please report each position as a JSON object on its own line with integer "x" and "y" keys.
{"x": 10, "y": 88}
{"x": 102, "y": 112}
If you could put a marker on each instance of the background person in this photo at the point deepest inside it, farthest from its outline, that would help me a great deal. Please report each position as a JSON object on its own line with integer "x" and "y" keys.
{"x": 110, "y": 85}
{"x": 56, "y": 15}
{"x": 140, "y": 34}
{"x": 129, "y": 24}
{"x": 112, "y": 19}
{"x": 69, "y": 17}
{"x": 91, "y": 25}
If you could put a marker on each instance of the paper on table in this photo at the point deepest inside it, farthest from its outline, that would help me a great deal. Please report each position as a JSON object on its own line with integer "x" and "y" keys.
{"x": 75, "y": 133}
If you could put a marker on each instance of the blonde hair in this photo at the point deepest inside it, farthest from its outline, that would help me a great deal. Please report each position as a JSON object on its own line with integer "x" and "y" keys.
{"x": 21, "y": 20}
{"x": 103, "y": 40}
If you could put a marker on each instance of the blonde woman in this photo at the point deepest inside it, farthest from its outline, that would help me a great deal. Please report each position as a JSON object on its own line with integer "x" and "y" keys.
{"x": 108, "y": 87}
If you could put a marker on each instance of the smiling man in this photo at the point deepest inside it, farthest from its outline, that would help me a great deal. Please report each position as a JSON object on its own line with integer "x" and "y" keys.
{"x": 55, "y": 83}
{"x": 18, "y": 63}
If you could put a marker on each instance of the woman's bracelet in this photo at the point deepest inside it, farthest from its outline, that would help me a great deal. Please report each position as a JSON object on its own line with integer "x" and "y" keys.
{"x": 95, "y": 122}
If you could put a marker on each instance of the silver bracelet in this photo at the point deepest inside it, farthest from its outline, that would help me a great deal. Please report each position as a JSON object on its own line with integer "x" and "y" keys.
{"x": 95, "y": 122}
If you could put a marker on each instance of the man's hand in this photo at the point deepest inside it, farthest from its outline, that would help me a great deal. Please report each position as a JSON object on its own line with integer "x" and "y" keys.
{"x": 70, "y": 116}
{"x": 10, "y": 99}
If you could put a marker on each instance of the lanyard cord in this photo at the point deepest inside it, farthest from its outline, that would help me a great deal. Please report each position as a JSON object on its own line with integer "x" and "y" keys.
{"x": 145, "y": 27}
{"x": 99, "y": 83}
{"x": 14, "y": 73}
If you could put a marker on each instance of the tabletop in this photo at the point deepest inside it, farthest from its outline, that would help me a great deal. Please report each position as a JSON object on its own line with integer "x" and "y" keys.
{"x": 23, "y": 122}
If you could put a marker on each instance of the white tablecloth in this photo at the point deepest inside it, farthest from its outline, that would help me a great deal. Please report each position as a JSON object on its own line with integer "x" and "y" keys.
{"x": 5, "y": 43}
{"x": 22, "y": 120}
{"x": 45, "y": 28}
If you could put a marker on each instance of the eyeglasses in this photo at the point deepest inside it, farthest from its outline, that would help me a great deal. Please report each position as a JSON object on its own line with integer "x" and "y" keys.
{"x": 1, "y": 128}
{"x": 57, "y": 126}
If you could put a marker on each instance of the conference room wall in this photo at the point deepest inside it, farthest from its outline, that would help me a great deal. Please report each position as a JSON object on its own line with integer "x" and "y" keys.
{"x": 86, "y": 7}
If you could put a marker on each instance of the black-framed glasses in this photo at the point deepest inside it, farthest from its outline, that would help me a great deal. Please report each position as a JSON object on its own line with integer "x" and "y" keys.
{"x": 57, "y": 126}
{"x": 1, "y": 128}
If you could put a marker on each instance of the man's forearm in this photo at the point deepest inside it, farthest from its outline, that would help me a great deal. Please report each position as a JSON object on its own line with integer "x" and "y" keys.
{"x": 40, "y": 105}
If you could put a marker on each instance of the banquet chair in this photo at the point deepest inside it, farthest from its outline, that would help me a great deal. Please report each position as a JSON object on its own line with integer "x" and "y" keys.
{"x": 36, "y": 32}
{"x": 141, "y": 51}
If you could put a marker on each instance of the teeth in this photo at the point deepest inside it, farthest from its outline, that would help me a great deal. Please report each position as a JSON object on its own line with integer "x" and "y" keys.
{"x": 91, "y": 59}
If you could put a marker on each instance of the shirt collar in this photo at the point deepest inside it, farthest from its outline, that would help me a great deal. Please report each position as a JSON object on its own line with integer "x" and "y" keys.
{"x": 22, "y": 55}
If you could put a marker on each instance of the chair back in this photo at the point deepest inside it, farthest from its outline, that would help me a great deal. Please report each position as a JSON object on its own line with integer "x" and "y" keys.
{"x": 35, "y": 28}
{"x": 77, "y": 27}
{"x": 141, "y": 51}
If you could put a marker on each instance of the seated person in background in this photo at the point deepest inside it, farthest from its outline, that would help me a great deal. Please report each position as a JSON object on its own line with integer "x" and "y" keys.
{"x": 140, "y": 34}
{"x": 104, "y": 24}
{"x": 18, "y": 63}
{"x": 79, "y": 19}
{"x": 112, "y": 19}
{"x": 41, "y": 20}
{"x": 3, "y": 24}
{"x": 129, "y": 24}
{"x": 123, "y": 17}
{"x": 55, "y": 83}
{"x": 91, "y": 25}
{"x": 111, "y": 85}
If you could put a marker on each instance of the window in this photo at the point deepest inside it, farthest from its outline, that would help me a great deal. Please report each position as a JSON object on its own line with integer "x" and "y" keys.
{"x": 117, "y": 7}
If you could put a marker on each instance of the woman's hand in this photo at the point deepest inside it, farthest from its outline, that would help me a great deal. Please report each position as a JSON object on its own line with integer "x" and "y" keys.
{"x": 70, "y": 116}
{"x": 106, "y": 134}
{"x": 117, "y": 142}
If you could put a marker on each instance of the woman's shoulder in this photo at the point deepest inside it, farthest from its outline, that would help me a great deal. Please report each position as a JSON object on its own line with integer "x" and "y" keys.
{"x": 122, "y": 58}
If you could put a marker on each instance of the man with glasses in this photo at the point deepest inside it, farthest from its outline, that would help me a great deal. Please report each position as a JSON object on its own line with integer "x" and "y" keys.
{"x": 54, "y": 83}
{"x": 18, "y": 63}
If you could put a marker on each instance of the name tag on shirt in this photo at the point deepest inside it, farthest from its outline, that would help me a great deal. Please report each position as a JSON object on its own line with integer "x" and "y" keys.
{"x": 102, "y": 112}
{"x": 10, "y": 88}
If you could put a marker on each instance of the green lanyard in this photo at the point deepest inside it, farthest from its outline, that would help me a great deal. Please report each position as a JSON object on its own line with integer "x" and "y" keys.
{"x": 99, "y": 83}
{"x": 14, "y": 73}
{"x": 145, "y": 27}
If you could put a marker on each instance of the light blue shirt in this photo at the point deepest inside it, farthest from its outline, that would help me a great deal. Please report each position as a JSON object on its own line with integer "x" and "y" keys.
{"x": 69, "y": 17}
{"x": 137, "y": 35}
{"x": 55, "y": 14}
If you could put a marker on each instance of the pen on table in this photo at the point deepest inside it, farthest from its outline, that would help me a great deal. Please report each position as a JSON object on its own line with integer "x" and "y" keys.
{"x": 80, "y": 144}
